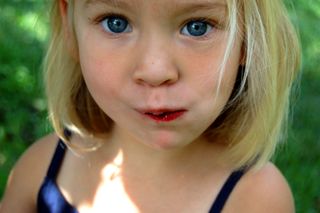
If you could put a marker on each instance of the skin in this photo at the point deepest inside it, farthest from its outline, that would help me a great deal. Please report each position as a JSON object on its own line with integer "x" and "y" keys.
{"x": 155, "y": 67}
{"x": 152, "y": 66}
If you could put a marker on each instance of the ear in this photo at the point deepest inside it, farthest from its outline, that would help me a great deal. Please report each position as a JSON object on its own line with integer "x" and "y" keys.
{"x": 68, "y": 28}
{"x": 66, "y": 25}
{"x": 63, "y": 6}
{"x": 243, "y": 55}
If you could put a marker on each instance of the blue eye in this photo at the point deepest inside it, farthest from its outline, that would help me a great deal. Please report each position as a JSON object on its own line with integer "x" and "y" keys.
{"x": 116, "y": 24}
{"x": 196, "y": 28}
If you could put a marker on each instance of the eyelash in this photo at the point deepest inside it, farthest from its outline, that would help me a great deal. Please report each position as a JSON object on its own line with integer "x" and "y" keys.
{"x": 209, "y": 23}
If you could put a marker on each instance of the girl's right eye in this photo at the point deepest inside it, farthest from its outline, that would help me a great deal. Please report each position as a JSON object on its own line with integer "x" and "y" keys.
{"x": 115, "y": 24}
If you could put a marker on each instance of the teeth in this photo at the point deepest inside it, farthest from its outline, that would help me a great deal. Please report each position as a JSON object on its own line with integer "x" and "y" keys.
{"x": 156, "y": 113}
{"x": 159, "y": 114}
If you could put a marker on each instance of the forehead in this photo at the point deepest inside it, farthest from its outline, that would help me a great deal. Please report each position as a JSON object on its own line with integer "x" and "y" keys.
{"x": 159, "y": 3}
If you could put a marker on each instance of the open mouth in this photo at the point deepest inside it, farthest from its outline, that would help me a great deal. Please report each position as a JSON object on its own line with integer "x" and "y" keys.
{"x": 165, "y": 116}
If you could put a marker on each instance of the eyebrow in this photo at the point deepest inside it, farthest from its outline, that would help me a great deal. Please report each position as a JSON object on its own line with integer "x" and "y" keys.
{"x": 204, "y": 5}
{"x": 113, "y": 3}
{"x": 191, "y": 7}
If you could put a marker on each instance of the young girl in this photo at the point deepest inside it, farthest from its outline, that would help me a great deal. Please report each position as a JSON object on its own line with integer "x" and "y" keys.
{"x": 162, "y": 106}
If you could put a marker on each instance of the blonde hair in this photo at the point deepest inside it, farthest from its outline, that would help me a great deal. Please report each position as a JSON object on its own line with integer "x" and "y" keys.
{"x": 255, "y": 116}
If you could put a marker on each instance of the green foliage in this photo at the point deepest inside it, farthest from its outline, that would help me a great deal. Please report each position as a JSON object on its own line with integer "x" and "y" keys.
{"x": 300, "y": 158}
{"x": 22, "y": 106}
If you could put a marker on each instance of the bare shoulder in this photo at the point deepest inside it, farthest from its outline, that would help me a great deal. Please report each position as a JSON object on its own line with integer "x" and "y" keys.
{"x": 27, "y": 175}
{"x": 262, "y": 190}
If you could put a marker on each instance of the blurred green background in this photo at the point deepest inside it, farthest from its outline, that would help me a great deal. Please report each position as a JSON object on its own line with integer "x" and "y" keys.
{"x": 23, "y": 118}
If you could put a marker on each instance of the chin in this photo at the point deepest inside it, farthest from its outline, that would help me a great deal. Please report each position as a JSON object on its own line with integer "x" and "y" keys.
{"x": 166, "y": 142}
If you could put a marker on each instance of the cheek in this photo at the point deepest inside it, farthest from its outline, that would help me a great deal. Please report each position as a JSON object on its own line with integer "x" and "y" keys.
{"x": 211, "y": 84}
{"x": 101, "y": 61}
{"x": 206, "y": 76}
{"x": 101, "y": 79}
{"x": 100, "y": 66}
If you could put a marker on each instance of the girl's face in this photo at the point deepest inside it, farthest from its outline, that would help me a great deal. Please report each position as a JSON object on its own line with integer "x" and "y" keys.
{"x": 153, "y": 66}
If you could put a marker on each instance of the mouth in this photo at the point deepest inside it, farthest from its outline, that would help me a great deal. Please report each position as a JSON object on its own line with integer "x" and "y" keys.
{"x": 164, "y": 115}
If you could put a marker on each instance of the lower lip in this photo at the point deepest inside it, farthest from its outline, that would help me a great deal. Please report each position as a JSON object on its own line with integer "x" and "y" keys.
{"x": 167, "y": 117}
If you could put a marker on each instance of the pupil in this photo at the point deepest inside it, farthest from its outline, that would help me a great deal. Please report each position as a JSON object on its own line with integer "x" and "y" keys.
{"x": 117, "y": 25}
{"x": 197, "y": 28}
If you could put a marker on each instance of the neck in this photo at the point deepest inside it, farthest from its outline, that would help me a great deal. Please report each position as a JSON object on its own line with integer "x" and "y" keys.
{"x": 134, "y": 157}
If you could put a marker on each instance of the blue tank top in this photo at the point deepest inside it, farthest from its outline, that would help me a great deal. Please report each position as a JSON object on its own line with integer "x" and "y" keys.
{"x": 51, "y": 200}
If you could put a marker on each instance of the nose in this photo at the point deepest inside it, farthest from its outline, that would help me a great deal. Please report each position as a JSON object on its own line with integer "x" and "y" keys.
{"x": 155, "y": 64}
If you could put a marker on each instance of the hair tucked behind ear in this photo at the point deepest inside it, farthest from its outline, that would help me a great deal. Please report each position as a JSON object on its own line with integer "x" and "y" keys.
{"x": 254, "y": 120}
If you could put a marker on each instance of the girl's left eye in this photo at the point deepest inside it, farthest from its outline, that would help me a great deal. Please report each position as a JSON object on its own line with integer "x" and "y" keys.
{"x": 116, "y": 24}
{"x": 196, "y": 28}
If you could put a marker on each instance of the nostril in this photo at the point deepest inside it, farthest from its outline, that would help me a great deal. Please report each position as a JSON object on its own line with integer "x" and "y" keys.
{"x": 156, "y": 77}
